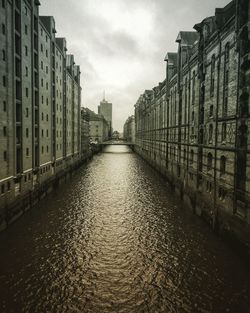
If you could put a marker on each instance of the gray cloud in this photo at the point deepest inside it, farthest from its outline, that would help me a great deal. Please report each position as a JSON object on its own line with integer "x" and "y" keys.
{"x": 120, "y": 44}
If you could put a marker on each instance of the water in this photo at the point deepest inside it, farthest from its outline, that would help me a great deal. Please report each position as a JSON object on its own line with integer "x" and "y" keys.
{"x": 116, "y": 239}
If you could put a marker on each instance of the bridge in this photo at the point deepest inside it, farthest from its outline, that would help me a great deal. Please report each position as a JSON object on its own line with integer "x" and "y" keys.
{"x": 117, "y": 143}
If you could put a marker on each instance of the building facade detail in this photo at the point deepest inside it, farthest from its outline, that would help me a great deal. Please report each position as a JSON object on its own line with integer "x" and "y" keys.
{"x": 194, "y": 126}
{"x": 40, "y": 98}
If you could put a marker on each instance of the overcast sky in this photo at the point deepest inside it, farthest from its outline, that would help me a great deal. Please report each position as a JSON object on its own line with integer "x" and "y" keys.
{"x": 121, "y": 44}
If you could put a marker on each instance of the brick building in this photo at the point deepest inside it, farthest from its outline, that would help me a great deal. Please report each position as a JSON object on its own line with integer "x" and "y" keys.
{"x": 85, "y": 134}
{"x": 194, "y": 126}
{"x": 98, "y": 127}
{"x": 40, "y": 97}
{"x": 129, "y": 129}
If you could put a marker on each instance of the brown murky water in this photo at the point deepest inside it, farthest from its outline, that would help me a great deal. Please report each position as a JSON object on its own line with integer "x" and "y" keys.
{"x": 115, "y": 239}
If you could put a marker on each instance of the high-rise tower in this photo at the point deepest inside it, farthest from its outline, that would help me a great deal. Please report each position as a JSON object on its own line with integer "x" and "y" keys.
{"x": 105, "y": 108}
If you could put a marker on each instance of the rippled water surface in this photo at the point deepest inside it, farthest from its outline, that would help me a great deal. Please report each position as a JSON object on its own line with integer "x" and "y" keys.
{"x": 116, "y": 239}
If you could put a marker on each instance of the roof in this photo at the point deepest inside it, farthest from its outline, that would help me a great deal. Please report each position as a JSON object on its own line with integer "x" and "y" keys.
{"x": 171, "y": 57}
{"x": 187, "y": 37}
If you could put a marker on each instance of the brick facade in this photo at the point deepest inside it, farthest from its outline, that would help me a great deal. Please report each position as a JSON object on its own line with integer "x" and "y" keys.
{"x": 40, "y": 98}
{"x": 193, "y": 127}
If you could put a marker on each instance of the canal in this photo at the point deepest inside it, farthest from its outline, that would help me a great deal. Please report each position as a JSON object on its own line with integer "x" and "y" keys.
{"x": 115, "y": 239}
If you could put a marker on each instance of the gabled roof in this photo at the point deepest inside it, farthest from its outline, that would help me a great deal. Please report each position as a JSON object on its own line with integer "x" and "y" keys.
{"x": 171, "y": 57}
{"x": 187, "y": 38}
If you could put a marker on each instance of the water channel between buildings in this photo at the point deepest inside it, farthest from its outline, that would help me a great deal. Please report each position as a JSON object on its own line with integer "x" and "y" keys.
{"x": 114, "y": 239}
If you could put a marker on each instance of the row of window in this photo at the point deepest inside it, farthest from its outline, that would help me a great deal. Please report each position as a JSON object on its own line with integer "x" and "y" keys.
{"x": 209, "y": 159}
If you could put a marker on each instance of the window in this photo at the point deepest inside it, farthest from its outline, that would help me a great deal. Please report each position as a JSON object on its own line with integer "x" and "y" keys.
{"x": 27, "y": 92}
{"x": 47, "y": 117}
{"x": 46, "y": 53}
{"x": 47, "y": 101}
{"x": 209, "y": 161}
{"x": 26, "y": 51}
{"x": 42, "y": 149}
{"x": 212, "y": 76}
{"x": 42, "y": 116}
{"x": 42, "y": 133}
{"x": 5, "y": 131}
{"x": 4, "y": 106}
{"x": 27, "y": 151}
{"x": 211, "y": 111}
{"x": 223, "y": 132}
{"x": 26, "y": 29}
{"x": 4, "y": 81}
{"x": 47, "y": 133}
{"x": 27, "y": 132}
{"x": 42, "y": 82}
{"x": 210, "y": 133}
{"x": 191, "y": 156}
{"x": 193, "y": 116}
{"x": 222, "y": 193}
{"x": 47, "y": 70}
{"x": 5, "y": 155}
{"x": 193, "y": 88}
{"x": 222, "y": 165}
{"x": 42, "y": 65}
{"x": 3, "y": 55}
{"x": 3, "y": 4}
{"x": 226, "y": 80}
{"x": 27, "y": 112}
{"x": 47, "y": 149}
{"x": 3, "y": 188}
{"x": 26, "y": 71}
{"x": 8, "y": 186}
{"x": 42, "y": 99}
{"x": 26, "y": 11}
{"x": 3, "y": 29}
{"x": 41, "y": 47}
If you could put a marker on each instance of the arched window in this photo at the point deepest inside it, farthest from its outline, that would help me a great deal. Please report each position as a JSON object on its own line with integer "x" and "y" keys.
{"x": 211, "y": 111}
{"x": 191, "y": 156}
{"x": 209, "y": 161}
{"x": 210, "y": 133}
{"x": 224, "y": 132}
{"x": 222, "y": 165}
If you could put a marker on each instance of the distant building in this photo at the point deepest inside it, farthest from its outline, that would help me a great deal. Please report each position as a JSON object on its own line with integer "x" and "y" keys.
{"x": 129, "y": 129}
{"x": 98, "y": 127}
{"x": 105, "y": 109}
{"x": 85, "y": 134}
{"x": 116, "y": 135}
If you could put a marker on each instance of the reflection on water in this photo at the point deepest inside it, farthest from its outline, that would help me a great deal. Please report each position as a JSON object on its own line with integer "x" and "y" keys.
{"x": 115, "y": 239}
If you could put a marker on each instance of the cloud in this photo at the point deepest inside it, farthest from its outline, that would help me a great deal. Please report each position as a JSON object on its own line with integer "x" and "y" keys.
{"x": 120, "y": 44}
